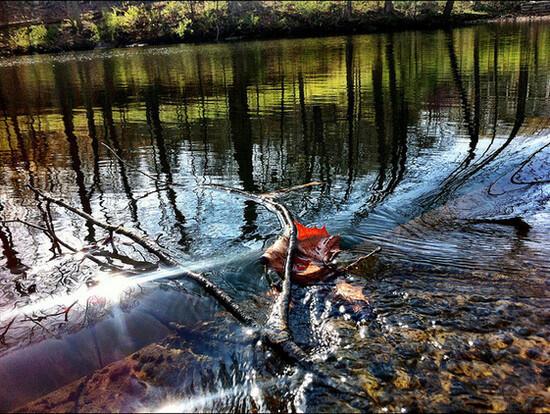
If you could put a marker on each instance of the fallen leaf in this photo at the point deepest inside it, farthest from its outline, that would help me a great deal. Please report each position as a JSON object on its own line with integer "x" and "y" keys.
{"x": 350, "y": 292}
{"x": 314, "y": 252}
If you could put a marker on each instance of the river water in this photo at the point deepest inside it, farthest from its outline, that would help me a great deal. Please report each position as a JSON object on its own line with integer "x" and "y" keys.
{"x": 431, "y": 145}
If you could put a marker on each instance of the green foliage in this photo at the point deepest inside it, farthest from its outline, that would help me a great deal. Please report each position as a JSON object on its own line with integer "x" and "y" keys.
{"x": 161, "y": 21}
{"x": 316, "y": 13}
{"x": 94, "y": 32}
{"x": 30, "y": 38}
{"x": 175, "y": 10}
{"x": 183, "y": 28}
{"x": 139, "y": 22}
{"x": 248, "y": 22}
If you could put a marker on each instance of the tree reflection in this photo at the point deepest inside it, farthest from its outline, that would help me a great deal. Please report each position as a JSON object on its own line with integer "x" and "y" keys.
{"x": 241, "y": 135}
{"x": 66, "y": 104}
{"x": 471, "y": 125}
{"x": 523, "y": 82}
{"x": 350, "y": 88}
{"x": 400, "y": 116}
{"x": 13, "y": 263}
{"x": 111, "y": 134}
{"x": 153, "y": 118}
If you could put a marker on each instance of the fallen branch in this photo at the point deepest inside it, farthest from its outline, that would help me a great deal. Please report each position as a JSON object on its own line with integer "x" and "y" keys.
{"x": 278, "y": 319}
{"x": 277, "y": 332}
{"x": 276, "y": 193}
{"x": 223, "y": 298}
{"x": 359, "y": 260}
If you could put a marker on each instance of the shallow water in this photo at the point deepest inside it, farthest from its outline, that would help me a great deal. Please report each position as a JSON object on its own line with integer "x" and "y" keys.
{"x": 422, "y": 141}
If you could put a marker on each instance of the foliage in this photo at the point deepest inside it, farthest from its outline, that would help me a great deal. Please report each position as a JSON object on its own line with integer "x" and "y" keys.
{"x": 31, "y": 38}
{"x": 140, "y": 22}
{"x": 165, "y": 21}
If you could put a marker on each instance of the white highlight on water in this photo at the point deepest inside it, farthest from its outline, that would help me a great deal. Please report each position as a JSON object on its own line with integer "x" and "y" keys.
{"x": 111, "y": 285}
{"x": 200, "y": 402}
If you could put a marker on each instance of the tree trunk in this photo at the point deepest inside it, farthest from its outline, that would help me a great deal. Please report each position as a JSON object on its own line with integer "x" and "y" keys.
{"x": 348, "y": 9}
{"x": 388, "y": 6}
{"x": 3, "y": 14}
{"x": 448, "y": 8}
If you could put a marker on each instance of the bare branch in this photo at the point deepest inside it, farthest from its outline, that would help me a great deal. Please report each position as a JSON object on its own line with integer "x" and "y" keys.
{"x": 71, "y": 248}
{"x": 359, "y": 260}
{"x": 223, "y": 298}
{"x": 277, "y": 332}
{"x": 282, "y": 191}
{"x": 3, "y": 334}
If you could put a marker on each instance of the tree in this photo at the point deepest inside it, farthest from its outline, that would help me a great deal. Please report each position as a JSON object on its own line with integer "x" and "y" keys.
{"x": 448, "y": 8}
{"x": 348, "y": 9}
{"x": 388, "y": 6}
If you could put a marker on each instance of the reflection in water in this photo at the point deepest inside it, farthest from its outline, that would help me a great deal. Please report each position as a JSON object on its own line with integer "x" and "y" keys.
{"x": 241, "y": 135}
{"x": 431, "y": 145}
{"x": 153, "y": 118}
{"x": 66, "y": 104}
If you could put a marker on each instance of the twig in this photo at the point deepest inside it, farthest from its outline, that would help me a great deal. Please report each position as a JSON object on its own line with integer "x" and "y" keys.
{"x": 282, "y": 191}
{"x": 359, "y": 260}
{"x": 69, "y": 247}
{"x": 222, "y": 297}
{"x": 3, "y": 334}
{"x": 158, "y": 190}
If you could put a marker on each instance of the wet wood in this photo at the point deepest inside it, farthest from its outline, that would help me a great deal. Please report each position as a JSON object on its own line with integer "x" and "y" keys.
{"x": 222, "y": 297}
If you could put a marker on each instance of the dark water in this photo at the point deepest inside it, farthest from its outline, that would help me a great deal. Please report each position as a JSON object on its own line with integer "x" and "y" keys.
{"x": 429, "y": 144}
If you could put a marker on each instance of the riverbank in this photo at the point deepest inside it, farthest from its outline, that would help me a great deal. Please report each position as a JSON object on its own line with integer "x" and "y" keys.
{"x": 89, "y": 25}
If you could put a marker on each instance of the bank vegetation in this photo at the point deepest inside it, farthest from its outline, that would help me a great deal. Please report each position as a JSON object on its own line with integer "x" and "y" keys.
{"x": 83, "y": 25}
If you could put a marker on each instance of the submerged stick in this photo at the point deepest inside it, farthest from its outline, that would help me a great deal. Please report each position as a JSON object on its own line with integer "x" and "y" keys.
{"x": 359, "y": 260}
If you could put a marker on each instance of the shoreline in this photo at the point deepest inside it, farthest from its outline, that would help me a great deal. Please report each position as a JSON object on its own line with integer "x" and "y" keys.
{"x": 94, "y": 33}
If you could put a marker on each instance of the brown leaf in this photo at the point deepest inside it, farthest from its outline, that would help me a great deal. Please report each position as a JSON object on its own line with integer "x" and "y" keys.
{"x": 350, "y": 292}
{"x": 314, "y": 251}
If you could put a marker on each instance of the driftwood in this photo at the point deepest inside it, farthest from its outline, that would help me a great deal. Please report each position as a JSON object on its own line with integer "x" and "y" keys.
{"x": 277, "y": 331}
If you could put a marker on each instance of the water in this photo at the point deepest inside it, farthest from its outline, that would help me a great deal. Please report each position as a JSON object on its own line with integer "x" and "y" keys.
{"x": 422, "y": 141}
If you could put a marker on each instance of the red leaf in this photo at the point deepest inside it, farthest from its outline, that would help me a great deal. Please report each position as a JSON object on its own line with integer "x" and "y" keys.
{"x": 315, "y": 250}
{"x": 306, "y": 232}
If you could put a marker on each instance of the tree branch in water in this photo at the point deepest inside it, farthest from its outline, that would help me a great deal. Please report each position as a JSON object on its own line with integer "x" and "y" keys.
{"x": 276, "y": 332}
{"x": 223, "y": 298}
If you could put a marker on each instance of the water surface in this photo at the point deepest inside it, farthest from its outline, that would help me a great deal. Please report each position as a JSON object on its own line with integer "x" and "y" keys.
{"x": 423, "y": 140}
